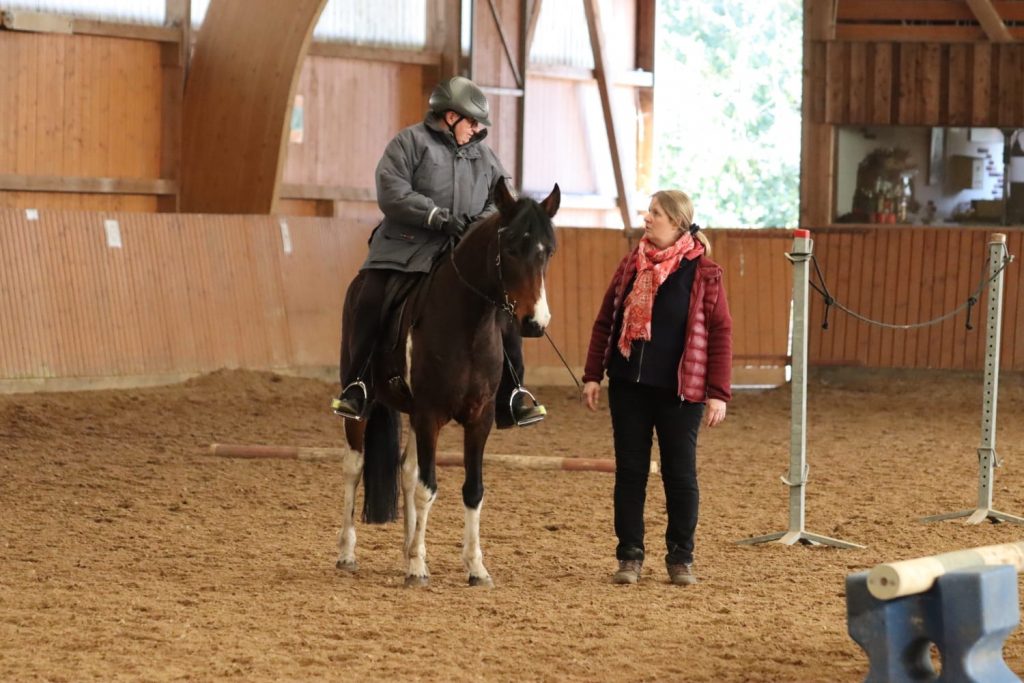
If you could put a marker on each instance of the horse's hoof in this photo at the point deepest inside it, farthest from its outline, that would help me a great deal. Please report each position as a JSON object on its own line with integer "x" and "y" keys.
{"x": 481, "y": 582}
{"x": 347, "y": 566}
{"x": 417, "y": 581}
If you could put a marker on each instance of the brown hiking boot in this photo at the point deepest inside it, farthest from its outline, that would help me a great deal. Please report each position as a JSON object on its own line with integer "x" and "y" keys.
{"x": 681, "y": 574}
{"x": 629, "y": 571}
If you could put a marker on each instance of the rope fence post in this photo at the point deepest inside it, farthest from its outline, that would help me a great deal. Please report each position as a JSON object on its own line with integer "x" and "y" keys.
{"x": 800, "y": 257}
{"x": 987, "y": 459}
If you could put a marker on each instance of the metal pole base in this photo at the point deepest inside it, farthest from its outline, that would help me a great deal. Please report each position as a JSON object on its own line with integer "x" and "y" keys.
{"x": 977, "y": 516}
{"x": 802, "y": 537}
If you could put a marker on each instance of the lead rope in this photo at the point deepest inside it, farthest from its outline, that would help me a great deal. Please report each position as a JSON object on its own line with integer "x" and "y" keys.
{"x": 564, "y": 362}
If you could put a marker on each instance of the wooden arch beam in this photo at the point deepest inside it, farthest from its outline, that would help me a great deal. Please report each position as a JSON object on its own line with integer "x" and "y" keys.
{"x": 238, "y": 97}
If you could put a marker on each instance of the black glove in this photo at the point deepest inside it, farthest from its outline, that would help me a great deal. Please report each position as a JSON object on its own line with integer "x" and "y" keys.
{"x": 443, "y": 220}
{"x": 454, "y": 227}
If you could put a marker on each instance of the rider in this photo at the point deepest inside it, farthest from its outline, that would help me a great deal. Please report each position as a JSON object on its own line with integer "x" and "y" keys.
{"x": 433, "y": 180}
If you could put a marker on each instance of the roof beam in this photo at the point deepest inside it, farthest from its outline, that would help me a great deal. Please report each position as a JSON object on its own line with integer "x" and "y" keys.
{"x": 601, "y": 70}
{"x": 237, "y": 103}
{"x": 531, "y": 26}
{"x": 516, "y": 73}
{"x": 990, "y": 21}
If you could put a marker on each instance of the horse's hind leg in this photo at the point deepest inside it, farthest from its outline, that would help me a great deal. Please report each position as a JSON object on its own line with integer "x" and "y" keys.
{"x": 418, "y": 498}
{"x": 352, "y": 469}
{"x": 475, "y": 437}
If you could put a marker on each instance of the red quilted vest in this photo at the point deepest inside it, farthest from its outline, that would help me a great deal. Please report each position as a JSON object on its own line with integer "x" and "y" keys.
{"x": 705, "y": 370}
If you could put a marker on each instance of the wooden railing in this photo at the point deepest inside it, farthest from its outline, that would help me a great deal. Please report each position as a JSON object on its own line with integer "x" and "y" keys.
{"x": 88, "y": 295}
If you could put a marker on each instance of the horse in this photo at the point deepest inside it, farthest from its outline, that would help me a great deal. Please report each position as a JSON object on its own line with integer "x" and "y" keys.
{"x": 451, "y": 364}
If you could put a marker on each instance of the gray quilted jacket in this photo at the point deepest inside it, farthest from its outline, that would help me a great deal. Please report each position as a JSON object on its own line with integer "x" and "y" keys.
{"x": 421, "y": 171}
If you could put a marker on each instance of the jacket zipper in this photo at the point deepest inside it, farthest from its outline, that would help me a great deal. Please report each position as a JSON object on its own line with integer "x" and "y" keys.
{"x": 640, "y": 364}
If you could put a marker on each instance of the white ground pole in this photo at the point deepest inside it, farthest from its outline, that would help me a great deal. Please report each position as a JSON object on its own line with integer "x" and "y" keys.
{"x": 797, "y": 480}
{"x": 987, "y": 459}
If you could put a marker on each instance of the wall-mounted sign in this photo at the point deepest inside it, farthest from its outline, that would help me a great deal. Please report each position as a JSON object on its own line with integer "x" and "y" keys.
{"x": 298, "y": 123}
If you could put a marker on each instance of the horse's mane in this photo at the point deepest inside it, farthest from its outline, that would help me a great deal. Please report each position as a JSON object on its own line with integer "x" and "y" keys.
{"x": 528, "y": 217}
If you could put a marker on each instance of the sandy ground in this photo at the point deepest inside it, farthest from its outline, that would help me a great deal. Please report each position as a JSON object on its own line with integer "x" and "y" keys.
{"x": 128, "y": 553}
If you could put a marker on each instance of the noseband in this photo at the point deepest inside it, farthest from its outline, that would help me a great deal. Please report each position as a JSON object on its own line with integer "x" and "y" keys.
{"x": 509, "y": 304}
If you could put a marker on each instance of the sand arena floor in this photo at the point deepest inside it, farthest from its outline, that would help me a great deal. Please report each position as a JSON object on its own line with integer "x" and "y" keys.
{"x": 128, "y": 553}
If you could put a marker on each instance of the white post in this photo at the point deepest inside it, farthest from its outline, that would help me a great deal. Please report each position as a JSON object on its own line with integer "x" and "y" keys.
{"x": 803, "y": 247}
{"x": 998, "y": 257}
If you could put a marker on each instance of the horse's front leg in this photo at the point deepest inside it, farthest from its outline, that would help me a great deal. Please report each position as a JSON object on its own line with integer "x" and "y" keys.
{"x": 419, "y": 484}
{"x": 475, "y": 437}
{"x": 410, "y": 479}
{"x": 352, "y": 468}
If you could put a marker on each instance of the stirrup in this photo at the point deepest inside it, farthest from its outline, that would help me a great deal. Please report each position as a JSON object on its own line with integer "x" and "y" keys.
{"x": 535, "y": 413}
{"x": 336, "y": 403}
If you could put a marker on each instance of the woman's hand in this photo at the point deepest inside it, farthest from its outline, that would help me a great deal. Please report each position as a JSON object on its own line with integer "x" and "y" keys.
{"x": 715, "y": 412}
{"x": 591, "y": 392}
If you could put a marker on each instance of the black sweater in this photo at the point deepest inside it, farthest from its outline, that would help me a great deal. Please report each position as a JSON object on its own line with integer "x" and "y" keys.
{"x": 656, "y": 362}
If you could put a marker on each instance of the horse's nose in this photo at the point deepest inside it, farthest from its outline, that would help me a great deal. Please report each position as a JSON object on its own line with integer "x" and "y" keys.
{"x": 541, "y": 316}
{"x": 532, "y": 328}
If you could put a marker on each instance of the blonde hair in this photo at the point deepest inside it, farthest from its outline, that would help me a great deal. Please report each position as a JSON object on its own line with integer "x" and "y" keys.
{"x": 678, "y": 206}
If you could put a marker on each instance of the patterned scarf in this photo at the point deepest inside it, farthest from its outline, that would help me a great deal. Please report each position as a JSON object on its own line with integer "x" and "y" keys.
{"x": 653, "y": 266}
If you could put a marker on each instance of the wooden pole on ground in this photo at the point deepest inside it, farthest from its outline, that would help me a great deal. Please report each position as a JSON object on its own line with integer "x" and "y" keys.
{"x": 444, "y": 458}
{"x": 897, "y": 579}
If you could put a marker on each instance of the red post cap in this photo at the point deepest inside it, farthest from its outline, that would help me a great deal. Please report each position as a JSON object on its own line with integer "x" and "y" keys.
{"x": 801, "y": 233}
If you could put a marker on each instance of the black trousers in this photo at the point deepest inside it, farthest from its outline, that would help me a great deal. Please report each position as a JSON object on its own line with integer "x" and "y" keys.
{"x": 370, "y": 314}
{"x": 638, "y": 411}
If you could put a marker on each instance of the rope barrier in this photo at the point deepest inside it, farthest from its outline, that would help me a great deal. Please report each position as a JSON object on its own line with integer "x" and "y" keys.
{"x": 969, "y": 304}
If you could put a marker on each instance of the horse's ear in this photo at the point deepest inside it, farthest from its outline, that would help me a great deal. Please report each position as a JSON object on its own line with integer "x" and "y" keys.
{"x": 552, "y": 201}
{"x": 503, "y": 196}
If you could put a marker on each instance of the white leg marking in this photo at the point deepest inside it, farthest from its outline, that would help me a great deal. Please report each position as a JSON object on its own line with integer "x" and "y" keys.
{"x": 410, "y": 476}
{"x": 418, "y": 549}
{"x": 352, "y": 468}
{"x": 541, "y": 312}
{"x": 472, "y": 555}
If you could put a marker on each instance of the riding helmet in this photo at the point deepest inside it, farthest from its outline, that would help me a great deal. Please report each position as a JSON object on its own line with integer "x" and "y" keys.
{"x": 461, "y": 95}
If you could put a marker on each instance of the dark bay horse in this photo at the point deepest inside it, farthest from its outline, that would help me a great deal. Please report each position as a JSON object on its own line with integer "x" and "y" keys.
{"x": 449, "y": 352}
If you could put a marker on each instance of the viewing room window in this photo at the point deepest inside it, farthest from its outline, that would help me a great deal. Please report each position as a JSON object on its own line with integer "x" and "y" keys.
{"x": 929, "y": 176}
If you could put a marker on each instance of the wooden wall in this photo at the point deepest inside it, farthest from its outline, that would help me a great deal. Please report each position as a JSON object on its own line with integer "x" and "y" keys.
{"x": 906, "y": 63}
{"x": 78, "y": 107}
{"x": 924, "y": 84}
{"x": 190, "y": 293}
{"x": 909, "y": 275}
{"x": 95, "y": 121}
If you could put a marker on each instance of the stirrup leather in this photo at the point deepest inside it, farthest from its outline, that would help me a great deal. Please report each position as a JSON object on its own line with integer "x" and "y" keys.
{"x": 336, "y": 403}
{"x": 538, "y": 412}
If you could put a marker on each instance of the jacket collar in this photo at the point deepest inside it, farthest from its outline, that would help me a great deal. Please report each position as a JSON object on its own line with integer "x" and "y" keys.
{"x": 436, "y": 126}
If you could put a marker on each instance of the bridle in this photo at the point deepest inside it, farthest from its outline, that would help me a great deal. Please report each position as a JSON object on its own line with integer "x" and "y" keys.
{"x": 509, "y": 304}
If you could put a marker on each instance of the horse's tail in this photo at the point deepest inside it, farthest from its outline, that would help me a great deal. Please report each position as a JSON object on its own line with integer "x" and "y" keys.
{"x": 381, "y": 458}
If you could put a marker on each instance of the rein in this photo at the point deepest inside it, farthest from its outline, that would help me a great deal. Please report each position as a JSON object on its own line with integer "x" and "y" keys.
{"x": 509, "y": 305}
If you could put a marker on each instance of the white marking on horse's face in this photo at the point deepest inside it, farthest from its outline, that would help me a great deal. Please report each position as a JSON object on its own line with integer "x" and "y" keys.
{"x": 541, "y": 312}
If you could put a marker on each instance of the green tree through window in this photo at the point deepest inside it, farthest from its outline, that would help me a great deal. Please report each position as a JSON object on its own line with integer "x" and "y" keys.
{"x": 727, "y": 108}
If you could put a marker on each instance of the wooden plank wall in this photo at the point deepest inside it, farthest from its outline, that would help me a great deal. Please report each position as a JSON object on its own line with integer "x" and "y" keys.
{"x": 79, "y": 106}
{"x": 192, "y": 293}
{"x": 184, "y": 294}
{"x": 901, "y": 63}
{"x": 908, "y": 275}
{"x": 933, "y": 84}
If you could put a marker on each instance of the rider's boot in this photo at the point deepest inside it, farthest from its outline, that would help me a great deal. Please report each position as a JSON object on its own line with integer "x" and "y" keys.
{"x": 520, "y": 409}
{"x": 353, "y": 402}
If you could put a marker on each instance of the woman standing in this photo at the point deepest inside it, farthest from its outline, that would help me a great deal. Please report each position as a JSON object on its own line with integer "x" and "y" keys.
{"x": 664, "y": 336}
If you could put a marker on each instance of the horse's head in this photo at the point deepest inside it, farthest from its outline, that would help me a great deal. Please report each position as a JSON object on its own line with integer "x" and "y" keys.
{"x": 527, "y": 241}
